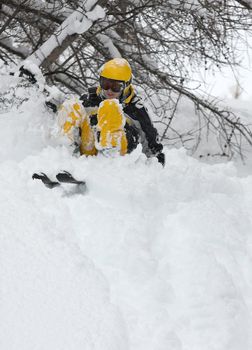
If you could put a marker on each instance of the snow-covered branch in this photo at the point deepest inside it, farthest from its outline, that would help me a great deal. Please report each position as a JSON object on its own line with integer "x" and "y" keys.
{"x": 107, "y": 42}
{"x": 245, "y": 3}
{"x": 77, "y": 23}
{"x": 19, "y": 51}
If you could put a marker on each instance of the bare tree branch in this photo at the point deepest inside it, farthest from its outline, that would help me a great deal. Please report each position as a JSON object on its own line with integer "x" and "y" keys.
{"x": 164, "y": 41}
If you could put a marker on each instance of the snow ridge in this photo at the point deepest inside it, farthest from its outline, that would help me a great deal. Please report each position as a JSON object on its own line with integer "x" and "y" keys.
{"x": 150, "y": 258}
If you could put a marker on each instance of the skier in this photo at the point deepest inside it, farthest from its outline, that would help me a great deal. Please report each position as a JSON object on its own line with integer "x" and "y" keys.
{"x": 111, "y": 117}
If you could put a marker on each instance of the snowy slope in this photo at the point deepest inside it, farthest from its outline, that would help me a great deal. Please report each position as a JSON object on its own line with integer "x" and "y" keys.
{"x": 149, "y": 258}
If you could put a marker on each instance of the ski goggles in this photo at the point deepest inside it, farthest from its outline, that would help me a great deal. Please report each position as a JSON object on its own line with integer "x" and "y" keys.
{"x": 110, "y": 84}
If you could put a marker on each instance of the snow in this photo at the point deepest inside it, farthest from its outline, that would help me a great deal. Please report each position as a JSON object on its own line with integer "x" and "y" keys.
{"x": 97, "y": 13}
{"x": 108, "y": 43}
{"x": 149, "y": 258}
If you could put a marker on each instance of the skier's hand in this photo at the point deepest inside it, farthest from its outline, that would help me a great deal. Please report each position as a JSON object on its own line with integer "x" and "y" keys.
{"x": 155, "y": 147}
{"x": 161, "y": 158}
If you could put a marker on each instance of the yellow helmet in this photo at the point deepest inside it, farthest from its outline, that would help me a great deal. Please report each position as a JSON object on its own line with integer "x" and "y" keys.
{"x": 117, "y": 69}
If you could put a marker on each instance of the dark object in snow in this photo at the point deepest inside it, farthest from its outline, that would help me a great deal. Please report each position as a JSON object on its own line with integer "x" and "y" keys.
{"x": 62, "y": 177}
{"x": 25, "y": 72}
{"x": 66, "y": 177}
{"x": 45, "y": 179}
{"x": 161, "y": 158}
{"x": 52, "y": 106}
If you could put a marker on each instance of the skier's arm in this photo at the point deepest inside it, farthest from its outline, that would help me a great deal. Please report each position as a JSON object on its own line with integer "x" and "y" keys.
{"x": 151, "y": 134}
{"x": 139, "y": 113}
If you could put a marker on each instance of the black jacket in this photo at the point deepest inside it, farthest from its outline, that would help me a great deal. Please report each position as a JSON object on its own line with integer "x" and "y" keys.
{"x": 140, "y": 119}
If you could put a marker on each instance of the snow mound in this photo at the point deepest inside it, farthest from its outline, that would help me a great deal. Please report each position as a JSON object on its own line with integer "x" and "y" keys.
{"x": 149, "y": 258}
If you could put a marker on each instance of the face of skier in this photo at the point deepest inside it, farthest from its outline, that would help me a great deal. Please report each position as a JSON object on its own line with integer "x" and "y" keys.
{"x": 111, "y": 88}
{"x": 109, "y": 94}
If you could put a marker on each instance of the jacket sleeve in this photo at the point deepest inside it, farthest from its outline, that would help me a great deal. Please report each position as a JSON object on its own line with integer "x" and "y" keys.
{"x": 138, "y": 113}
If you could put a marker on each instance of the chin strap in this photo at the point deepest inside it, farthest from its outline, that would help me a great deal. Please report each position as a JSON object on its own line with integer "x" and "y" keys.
{"x": 126, "y": 98}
